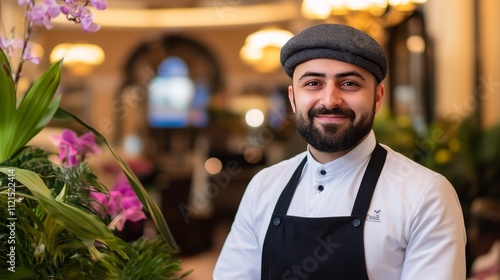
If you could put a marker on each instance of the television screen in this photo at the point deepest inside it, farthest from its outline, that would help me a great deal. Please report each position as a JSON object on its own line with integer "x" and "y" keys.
{"x": 174, "y": 99}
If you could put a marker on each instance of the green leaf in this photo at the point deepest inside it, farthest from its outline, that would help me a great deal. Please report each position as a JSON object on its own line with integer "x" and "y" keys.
{"x": 35, "y": 111}
{"x": 22, "y": 273}
{"x": 143, "y": 195}
{"x": 8, "y": 104}
{"x": 49, "y": 114}
{"x": 7, "y": 89}
{"x": 36, "y": 103}
{"x": 30, "y": 213}
{"x": 80, "y": 222}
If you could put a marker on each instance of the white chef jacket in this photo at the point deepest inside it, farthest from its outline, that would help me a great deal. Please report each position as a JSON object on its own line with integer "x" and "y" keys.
{"x": 414, "y": 227}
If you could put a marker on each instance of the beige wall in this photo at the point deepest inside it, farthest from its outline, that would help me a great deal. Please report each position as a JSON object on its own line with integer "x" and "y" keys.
{"x": 450, "y": 25}
{"x": 490, "y": 61}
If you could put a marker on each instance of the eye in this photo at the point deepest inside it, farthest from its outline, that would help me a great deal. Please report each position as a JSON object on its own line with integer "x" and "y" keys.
{"x": 312, "y": 83}
{"x": 349, "y": 85}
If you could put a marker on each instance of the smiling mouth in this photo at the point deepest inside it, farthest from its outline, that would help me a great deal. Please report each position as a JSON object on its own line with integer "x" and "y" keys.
{"x": 333, "y": 115}
{"x": 330, "y": 118}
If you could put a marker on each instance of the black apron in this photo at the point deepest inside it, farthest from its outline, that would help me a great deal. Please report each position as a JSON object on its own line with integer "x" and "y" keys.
{"x": 297, "y": 248}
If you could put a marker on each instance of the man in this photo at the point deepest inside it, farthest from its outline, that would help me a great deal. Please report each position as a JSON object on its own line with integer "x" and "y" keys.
{"x": 348, "y": 207}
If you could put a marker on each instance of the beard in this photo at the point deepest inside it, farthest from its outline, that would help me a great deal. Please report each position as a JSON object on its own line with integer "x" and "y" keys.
{"x": 330, "y": 138}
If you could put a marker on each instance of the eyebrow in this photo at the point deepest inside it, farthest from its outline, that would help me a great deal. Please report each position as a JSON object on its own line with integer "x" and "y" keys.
{"x": 337, "y": 76}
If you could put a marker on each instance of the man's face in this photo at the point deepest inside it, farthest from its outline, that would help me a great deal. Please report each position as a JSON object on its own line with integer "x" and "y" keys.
{"x": 334, "y": 103}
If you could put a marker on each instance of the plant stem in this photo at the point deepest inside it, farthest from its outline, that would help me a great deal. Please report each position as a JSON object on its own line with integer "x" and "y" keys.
{"x": 27, "y": 33}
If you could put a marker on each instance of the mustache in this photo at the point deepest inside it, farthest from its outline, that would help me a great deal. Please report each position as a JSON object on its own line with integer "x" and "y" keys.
{"x": 333, "y": 111}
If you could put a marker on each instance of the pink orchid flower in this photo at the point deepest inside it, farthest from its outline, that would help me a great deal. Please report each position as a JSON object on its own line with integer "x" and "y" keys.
{"x": 73, "y": 149}
{"x": 100, "y": 200}
{"x": 127, "y": 206}
{"x": 87, "y": 21}
{"x": 99, "y": 4}
{"x": 81, "y": 14}
{"x": 122, "y": 205}
{"x": 44, "y": 13}
{"x": 23, "y": 2}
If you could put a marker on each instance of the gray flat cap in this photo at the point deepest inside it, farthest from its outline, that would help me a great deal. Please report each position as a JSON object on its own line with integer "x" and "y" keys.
{"x": 335, "y": 41}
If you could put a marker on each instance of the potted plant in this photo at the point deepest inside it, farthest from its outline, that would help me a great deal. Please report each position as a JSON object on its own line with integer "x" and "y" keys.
{"x": 57, "y": 218}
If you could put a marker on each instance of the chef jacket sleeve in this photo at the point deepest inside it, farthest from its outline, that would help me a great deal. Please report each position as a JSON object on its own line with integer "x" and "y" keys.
{"x": 240, "y": 257}
{"x": 436, "y": 235}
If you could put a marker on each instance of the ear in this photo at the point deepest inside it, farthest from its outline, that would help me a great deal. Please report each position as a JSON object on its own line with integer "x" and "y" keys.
{"x": 379, "y": 96}
{"x": 291, "y": 97}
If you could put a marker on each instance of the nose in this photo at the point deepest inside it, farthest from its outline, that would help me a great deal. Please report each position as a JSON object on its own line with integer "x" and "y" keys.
{"x": 332, "y": 97}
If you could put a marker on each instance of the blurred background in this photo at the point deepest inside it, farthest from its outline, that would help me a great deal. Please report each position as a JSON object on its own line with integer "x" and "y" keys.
{"x": 191, "y": 93}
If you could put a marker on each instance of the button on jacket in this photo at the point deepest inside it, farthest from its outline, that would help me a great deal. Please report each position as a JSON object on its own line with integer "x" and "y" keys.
{"x": 414, "y": 227}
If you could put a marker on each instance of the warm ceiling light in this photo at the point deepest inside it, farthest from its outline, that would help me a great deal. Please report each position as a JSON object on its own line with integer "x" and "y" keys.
{"x": 78, "y": 53}
{"x": 316, "y": 9}
{"x": 362, "y": 14}
{"x": 262, "y": 48}
{"x": 321, "y": 9}
{"x": 80, "y": 58}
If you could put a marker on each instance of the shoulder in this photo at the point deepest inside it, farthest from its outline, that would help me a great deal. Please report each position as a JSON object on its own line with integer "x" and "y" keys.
{"x": 415, "y": 184}
{"x": 403, "y": 169}
{"x": 420, "y": 197}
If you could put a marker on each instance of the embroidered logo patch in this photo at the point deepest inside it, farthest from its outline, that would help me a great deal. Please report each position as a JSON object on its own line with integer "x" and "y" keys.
{"x": 374, "y": 217}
